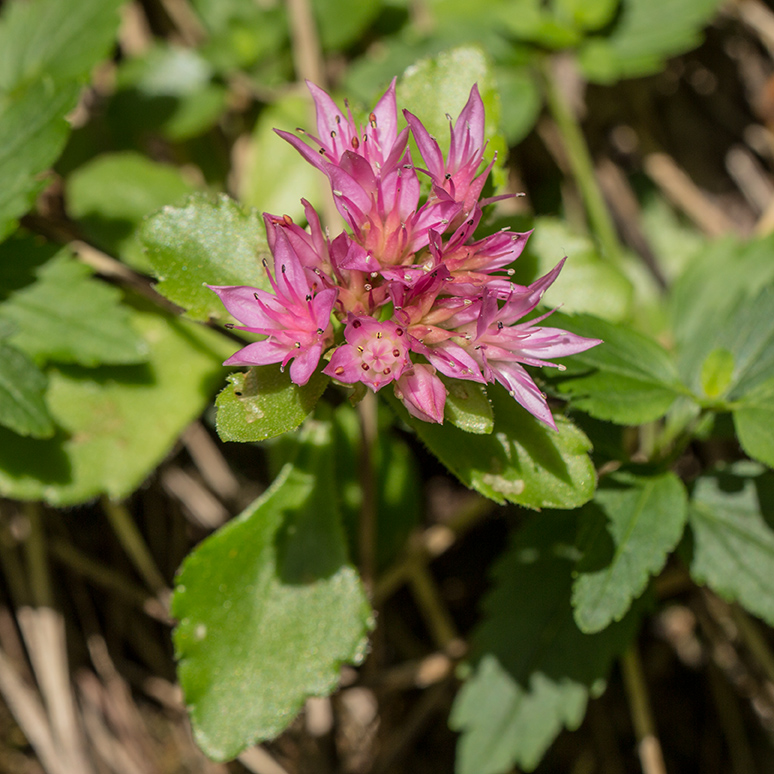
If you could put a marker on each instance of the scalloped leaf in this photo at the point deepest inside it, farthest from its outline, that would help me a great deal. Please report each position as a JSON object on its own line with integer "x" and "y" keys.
{"x": 629, "y": 379}
{"x": 262, "y": 403}
{"x": 625, "y": 535}
{"x": 535, "y": 668}
{"x": 269, "y": 608}
{"x": 523, "y": 461}
{"x": 209, "y": 241}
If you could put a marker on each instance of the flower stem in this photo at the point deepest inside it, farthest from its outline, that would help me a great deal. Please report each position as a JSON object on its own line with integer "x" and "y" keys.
{"x": 367, "y": 413}
{"x": 648, "y": 745}
{"x": 582, "y": 166}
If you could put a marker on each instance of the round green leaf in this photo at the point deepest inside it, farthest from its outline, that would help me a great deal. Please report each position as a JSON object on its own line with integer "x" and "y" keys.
{"x": 210, "y": 241}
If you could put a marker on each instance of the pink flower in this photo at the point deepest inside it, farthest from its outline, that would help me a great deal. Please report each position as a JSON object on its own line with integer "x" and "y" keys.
{"x": 457, "y": 174}
{"x": 375, "y": 353}
{"x": 378, "y": 143}
{"x": 295, "y": 320}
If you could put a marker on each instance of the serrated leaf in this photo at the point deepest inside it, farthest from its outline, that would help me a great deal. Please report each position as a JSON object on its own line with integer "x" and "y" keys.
{"x": 269, "y": 609}
{"x": 626, "y": 534}
{"x": 536, "y": 669}
{"x": 116, "y": 423}
{"x": 468, "y": 406}
{"x": 645, "y": 35}
{"x": 212, "y": 241}
{"x": 112, "y": 193}
{"x": 754, "y": 420}
{"x": 733, "y": 553}
{"x": 22, "y": 387}
{"x": 628, "y": 379}
{"x": 522, "y": 461}
{"x": 262, "y": 403}
{"x": 70, "y": 317}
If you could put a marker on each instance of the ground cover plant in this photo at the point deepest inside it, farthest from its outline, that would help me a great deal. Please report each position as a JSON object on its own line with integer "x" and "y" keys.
{"x": 386, "y": 386}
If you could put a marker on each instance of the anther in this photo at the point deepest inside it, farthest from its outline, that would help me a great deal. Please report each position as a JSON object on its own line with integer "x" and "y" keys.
{"x": 378, "y": 334}
{"x": 365, "y": 366}
{"x": 400, "y": 331}
{"x": 355, "y": 142}
{"x": 229, "y": 325}
{"x": 337, "y": 193}
{"x": 297, "y": 345}
{"x": 447, "y": 176}
{"x": 367, "y": 286}
{"x": 387, "y": 371}
{"x": 360, "y": 350}
{"x": 500, "y": 325}
{"x": 333, "y": 133}
{"x": 338, "y": 119}
{"x": 265, "y": 264}
{"x": 339, "y": 371}
{"x": 283, "y": 268}
{"x": 256, "y": 297}
{"x": 320, "y": 331}
{"x": 356, "y": 323}
{"x": 396, "y": 352}
{"x": 511, "y": 272}
{"x": 374, "y": 273}
{"x": 372, "y": 120}
{"x": 309, "y": 297}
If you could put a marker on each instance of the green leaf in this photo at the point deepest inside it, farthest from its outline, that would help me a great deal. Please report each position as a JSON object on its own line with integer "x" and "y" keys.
{"x": 522, "y": 461}
{"x": 269, "y": 609}
{"x": 47, "y": 48}
{"x": 585, "y": 14}
{"x": 716, "y": 372}
{"x": 70, "y": 317}
{"x": 645, "y": 35}
{"x": 343, "y": 22}
{"x": 56, "y": 38}
{"x": 468, "y": 406}
{"x": 535, "y": 669}
{"x": 587, "y": 283}
{"x": 112, "y": 193}
{"x": 628, "y": 379}
{"x": 625, "y": 535}
{"x": 22, "y": 387}
{"x": 276, "y": 175}
{"x": 262, "y": 403}
{"x": 209, "y": 241}
{"x": 435, "y": 88}
{"x": 116, "y": 423}
{"x": 733, "y": 553}
{"x": 754, "y": 419}
{"x": 520, "y": 101}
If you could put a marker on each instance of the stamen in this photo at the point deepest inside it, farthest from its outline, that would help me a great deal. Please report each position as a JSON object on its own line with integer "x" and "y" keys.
{"x": 283, "y": 268}
{"x": 320, "y": 331}
{"x": 333, "y": 133}
{"x": 378, "y": 334}
{"x": 387, "y": 371}
{"x": 360, "y": 350}
{"x": 309, "y": 297}
{"x": 396, "y": 352}
{"x": 339, "y": 371}
{"x": 356, "y": 323}
{"x": 256, "y": 297}
{"x": 265, "y": 264}
{"x": 338, "y": 119}
{"x": 500, "y": 325}
{"x": 367, "y": 286}
{"x": 229, "y": 326}
{"x": 297, "y": 345}
{"x": 372, "y": 120}
{"x": 365, "y": 366}
{"x": 400, "y": 331}
{"x": 355, "y": 142}
{"x": 288, "y": 220}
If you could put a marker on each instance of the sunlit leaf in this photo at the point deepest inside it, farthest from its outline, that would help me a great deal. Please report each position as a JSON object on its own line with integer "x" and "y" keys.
{"x": 262, "y": 403}
{"x": 522, "y": 461}
{"x": 212, "y": 241}
{"x": 269, "y": 609}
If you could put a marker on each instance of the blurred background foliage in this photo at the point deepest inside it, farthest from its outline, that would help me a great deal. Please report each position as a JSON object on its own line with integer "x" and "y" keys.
{"x": 641, "y": 135}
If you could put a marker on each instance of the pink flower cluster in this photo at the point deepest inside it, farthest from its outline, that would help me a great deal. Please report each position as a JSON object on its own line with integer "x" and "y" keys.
{"x": 416, "y": 294}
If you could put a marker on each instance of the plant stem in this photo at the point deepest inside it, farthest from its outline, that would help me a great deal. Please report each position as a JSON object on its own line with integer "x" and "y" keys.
{"x": 648, "y": 745}
{"x": 367, "y": 413}
{"x": 582, "y": 166}
{"x": 134, "y": 545}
